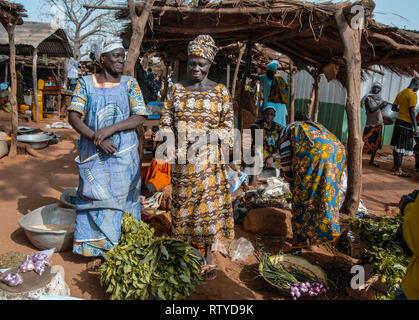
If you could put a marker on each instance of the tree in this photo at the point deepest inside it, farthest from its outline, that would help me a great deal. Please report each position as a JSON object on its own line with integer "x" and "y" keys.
{"x": 83, "y": 24}
{"x": 138, "y": 26}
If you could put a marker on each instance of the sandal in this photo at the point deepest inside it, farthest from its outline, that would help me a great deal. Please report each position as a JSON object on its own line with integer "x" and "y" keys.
{"x": 403, "y": 174}
{"x": 209, "y": 271}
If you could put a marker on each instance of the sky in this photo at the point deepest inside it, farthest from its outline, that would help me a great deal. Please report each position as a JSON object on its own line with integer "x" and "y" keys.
{"x": 401, "y": 13}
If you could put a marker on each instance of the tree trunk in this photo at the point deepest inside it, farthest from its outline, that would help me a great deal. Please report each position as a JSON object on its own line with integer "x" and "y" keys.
{"x": 138, "y": 26}
{"x": 351, "y": 40}
{"x": 13, "y": 86}
{"x": 35, "y": 82}
{"x": 77, "y": 53}
{"x": 293, "y": 71}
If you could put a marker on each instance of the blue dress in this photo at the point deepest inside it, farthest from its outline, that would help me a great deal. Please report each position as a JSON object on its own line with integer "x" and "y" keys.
{"x": 109, "y": 185}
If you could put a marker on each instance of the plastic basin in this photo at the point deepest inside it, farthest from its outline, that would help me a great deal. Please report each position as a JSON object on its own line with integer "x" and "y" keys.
{"x": 61, "y": 240}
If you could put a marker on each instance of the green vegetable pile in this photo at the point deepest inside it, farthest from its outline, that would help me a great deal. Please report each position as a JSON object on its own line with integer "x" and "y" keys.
{"x": 280, "y": 276}
{"x": 142, "y": 266}
{"x": 387, "y": 259}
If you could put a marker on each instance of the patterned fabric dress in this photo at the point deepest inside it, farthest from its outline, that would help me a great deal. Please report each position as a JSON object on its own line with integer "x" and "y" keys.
{"x": 270, "y": 140}
{"x": 202, "y": 205}
{"x": 314, "y": 159}
{"x": 109, "y": 185}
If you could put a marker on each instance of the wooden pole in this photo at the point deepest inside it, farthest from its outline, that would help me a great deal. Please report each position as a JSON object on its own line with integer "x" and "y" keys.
{"x": 310, "y": 103}
{"x": 293, "y": 71}
{"x": 35, "y": 82}
{"x": 246, "y": 73}
{"x": 236, "y": 71}
{"x": 10, "y": 28}
{"x": 228, "y": 77}
{"x": 317, "y": 103}
{"x": 176, "y": 70}
{"x": 138, "y": 26}
{"x": 6, "y": 71}
{"x": 351, "y": 40}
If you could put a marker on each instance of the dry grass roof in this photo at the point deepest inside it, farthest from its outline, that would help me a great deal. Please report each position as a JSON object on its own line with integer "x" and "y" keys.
{"x": 304, "y": 31}
{"x": 10, "y": 11}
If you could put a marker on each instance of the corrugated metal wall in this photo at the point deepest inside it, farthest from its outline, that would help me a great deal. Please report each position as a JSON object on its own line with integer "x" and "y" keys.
{"x": 332, "y": 111}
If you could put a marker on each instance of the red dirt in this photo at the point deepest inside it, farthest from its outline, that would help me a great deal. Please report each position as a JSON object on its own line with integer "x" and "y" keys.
{"x": 28, "y": 183}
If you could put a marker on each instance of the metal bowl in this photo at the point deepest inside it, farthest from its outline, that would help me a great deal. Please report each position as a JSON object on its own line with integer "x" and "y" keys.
{"x": 36, "y": 141}
{"x": 61, "y": 240}
{"x": 25, "y": 130}
{"x": 66, "y": 197}
{"x": 389, "y": 116}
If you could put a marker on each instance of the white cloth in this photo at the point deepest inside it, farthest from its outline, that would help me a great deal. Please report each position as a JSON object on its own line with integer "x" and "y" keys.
{"x": 107, "y": 45}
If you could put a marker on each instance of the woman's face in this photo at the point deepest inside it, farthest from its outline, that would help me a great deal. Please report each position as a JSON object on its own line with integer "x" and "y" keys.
{"x": 113, "y": 61}
{"x": 269, "y": 115}
{"x": 198, "y": 68}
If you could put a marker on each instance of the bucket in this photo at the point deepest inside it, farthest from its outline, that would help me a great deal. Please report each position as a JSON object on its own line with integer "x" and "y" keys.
{"x": 4, "y": 148}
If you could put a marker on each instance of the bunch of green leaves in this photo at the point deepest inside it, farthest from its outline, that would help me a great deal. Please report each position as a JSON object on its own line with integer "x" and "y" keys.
{"x": 281, "y": 276}
{"x": 175, "y": 267}
{"x": 387, "y": 259}
{"x": 141, "y": 265}
{"x": 378, "y": 233}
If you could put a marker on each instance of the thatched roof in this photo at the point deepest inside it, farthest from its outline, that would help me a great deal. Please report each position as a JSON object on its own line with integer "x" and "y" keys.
{"x": 304, "y": 31}
{"x": 10, "y": 11}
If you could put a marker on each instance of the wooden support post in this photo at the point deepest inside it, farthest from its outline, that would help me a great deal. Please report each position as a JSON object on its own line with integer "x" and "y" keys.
{"x": 6, "y": 72}
{"x": 10, "y": 28}
{"x": 351, "y": 39}
{"x": 65, "y": 61}
{"x": 310, "y": 103}
{"x": 316, "y": 103}
{"x": 293, "y": 71}
{"x": 236, "y": 71}
{"x": 228, "y": 77}
{"x": 246, "y": 73}
{"x": 176, "y": 70}
{"x": 35, "y": 83}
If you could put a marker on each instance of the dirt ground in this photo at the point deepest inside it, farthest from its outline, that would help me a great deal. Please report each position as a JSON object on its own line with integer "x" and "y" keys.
{"x": 28, "y": 183}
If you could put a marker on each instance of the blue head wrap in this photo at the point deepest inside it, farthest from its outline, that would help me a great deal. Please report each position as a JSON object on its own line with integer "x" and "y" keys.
{"x": 273, "y": 65}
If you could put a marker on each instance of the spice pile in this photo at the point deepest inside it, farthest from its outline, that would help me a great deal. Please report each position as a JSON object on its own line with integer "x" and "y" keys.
{"x": 143, "y": 266}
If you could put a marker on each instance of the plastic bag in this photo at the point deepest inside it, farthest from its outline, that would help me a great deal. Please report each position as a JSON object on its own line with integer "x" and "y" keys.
{"x": 277, "y": 185}
{"x": 37, "y": 262}
{"x": 236, "y": 179}
{"x": 219, "y": 246}
{"x": 12, "y": 279}
{"x": 240, "y": 249}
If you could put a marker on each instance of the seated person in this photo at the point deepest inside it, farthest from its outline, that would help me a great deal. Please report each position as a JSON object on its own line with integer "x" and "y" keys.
{"x": 271, "y": 133}
{"x": 157, "y": 176}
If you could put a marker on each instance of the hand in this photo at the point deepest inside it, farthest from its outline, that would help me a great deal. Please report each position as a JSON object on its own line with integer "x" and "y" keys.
{"x": 108, "y": 147}
{"x": 102, "y": 134}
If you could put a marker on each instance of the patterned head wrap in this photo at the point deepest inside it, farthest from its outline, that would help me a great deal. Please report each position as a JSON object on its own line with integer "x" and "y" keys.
{"x": 106, "y": 45}
{"x": 203, "y": 46}
{"x": 273, "y": 65}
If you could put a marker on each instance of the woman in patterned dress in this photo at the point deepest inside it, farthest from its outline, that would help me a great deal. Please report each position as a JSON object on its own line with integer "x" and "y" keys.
{"x": 312, "y": 160}
{"x": 195, "y": 110}
{"x": 105, "y": 110}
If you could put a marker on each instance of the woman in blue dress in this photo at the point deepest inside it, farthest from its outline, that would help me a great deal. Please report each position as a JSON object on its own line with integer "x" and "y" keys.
{"x": 105, "y": 110}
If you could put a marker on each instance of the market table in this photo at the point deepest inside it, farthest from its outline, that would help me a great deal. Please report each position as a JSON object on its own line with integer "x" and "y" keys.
{"x": 60, "y": 93}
